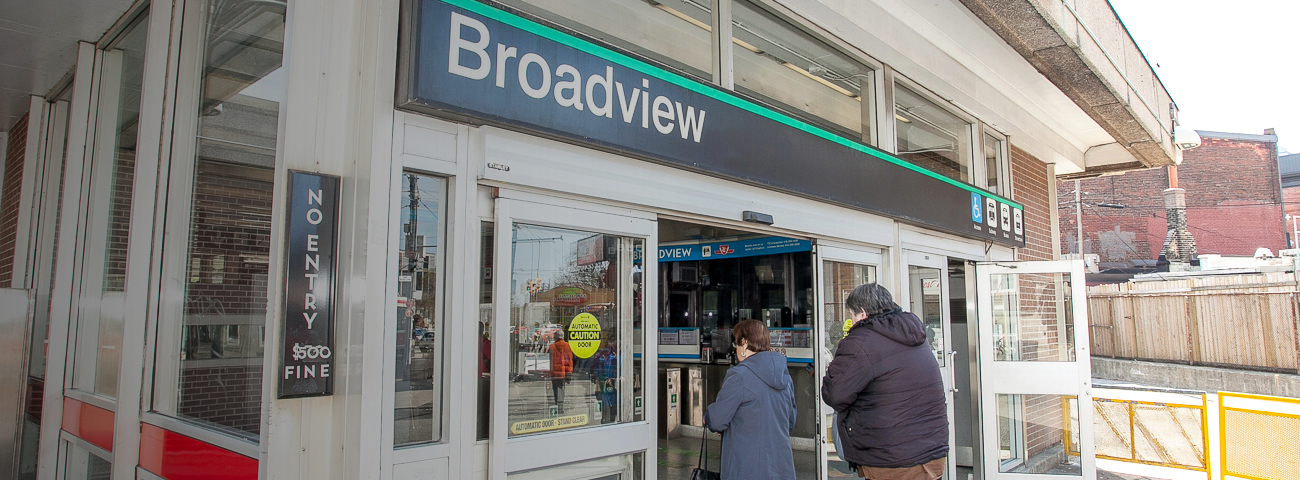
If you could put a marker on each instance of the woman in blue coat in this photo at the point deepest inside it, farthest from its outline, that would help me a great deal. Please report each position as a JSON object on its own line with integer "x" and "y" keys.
{"x": 754, "y": 411}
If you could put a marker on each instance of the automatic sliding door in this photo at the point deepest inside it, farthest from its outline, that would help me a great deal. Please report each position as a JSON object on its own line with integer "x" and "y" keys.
{"x": 569, "y": 308}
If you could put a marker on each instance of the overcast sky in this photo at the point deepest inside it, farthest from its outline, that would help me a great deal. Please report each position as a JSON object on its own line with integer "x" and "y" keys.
{"x": 1231, "y": 66}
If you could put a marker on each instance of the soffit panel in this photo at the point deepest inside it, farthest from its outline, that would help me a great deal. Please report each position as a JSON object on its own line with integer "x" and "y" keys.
{"x": 944, "y": 47}
{"x": 40, "y": 45}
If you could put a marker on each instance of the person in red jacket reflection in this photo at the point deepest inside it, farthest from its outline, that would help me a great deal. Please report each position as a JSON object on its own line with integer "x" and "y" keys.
{"x": 561, "y": 367}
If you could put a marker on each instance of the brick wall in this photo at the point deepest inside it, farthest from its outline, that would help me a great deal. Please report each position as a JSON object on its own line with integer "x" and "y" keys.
{"x": 230, "y": 240}
{"x": 1039, "y": 300}
{"x": 226, "y": 296}
{"x": 1135, "y": 232}
{"x": 230, "y": 396}
{"x": 10, "y": 196}
{"x": 1031, "y": 190}
{"x": 119, "y": 221}
{"x": 1233, "y": 205}
{"x": 1041, "y": 436}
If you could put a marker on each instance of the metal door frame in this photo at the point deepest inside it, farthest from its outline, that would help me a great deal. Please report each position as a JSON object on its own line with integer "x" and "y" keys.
{"x": 823, "y": 253}
{"x": 1033, "y": 378}
{"x": 948, "y": 372}
{"x": 538, "y": 451}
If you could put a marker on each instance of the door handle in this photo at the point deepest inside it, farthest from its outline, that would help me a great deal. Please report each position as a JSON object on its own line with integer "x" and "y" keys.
{"x": 952, "y": 370}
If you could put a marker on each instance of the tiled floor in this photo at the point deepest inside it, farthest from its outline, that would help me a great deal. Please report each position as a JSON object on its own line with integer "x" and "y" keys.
{"x": 677, "y": 457}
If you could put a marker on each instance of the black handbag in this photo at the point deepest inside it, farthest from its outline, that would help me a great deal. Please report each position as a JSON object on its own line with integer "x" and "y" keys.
{"x": 701, "y": 471}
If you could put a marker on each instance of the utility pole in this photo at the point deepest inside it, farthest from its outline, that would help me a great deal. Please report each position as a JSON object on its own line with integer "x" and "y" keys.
{"x": 414, "y": 209}
{"x": 1078, "y": 218}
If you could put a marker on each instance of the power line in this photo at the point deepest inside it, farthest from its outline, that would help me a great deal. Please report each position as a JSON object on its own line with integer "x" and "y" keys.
{"x": 1131, "y": 248}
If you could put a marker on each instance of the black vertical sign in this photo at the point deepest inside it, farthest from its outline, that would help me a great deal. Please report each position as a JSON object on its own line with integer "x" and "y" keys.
{"x": 307, "y": 357}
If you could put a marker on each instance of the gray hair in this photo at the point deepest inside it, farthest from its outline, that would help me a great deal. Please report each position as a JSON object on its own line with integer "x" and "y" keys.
{"x": 870, "y": 298}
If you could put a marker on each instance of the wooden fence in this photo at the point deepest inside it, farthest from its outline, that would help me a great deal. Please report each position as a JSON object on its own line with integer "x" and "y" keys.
{"x": 1231, "y": 320}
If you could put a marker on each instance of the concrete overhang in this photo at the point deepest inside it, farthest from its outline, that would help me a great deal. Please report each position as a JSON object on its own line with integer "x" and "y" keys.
{"x": 1083, "y": 48}
{"x": 39, "y": 41}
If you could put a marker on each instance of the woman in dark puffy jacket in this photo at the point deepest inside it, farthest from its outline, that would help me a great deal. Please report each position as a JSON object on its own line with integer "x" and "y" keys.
{"x": 885, "y": 386}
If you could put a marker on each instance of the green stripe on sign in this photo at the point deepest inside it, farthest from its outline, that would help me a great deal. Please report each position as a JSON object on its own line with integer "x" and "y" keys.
{"x": 702, "y": 89}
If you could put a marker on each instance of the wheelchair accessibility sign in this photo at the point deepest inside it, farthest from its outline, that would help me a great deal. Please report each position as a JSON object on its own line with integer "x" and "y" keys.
{"x": 976, "y": 207}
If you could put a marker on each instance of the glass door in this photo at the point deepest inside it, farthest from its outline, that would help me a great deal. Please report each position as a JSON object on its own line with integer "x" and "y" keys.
{"x": 572, "y": 397}
{"x": 1034, "y": 371}
{"x": 926, "y": 296}
{"x": 840, "y": 270}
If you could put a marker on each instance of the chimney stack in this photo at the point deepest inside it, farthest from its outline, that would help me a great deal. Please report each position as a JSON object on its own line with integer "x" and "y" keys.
{"x": 1180, "y": 247}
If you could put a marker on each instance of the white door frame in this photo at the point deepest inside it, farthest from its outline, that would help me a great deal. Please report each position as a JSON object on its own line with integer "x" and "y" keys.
{"x": 539, "y": 451}
{"x": 1033, "y": 378}
{"x": 841, "y": 254}
{"x": 947, "y": 371}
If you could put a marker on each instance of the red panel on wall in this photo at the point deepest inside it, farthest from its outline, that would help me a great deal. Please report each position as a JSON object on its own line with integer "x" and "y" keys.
{"x": 177, "y": 457}
{"x": 89, "y": 423}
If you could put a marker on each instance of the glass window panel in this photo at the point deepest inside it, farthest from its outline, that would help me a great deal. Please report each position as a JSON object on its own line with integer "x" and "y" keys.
{"x": 226, "y": 266}
{"x": 1035, "y": 433}
{"x": 799, "y": 74}
{"x": 485, "y": 311}
{"x": 622, "y": 467}
{"x": 677, "y": 33}
{"x": 993, "y": 163}
{"x": 840, "y": 280}
{"x": 1033, "y": 320}
{"x": 103, "y": 278}
{"x": 56, "y": 149}
{"x": 417, "y": 399}
{"x": 926, "y": 292}
{"x": 574, "y": 302}
{"x": 28, "y": 444}
{"x": 80, "y": 464}
{"x": 930, "y": 136}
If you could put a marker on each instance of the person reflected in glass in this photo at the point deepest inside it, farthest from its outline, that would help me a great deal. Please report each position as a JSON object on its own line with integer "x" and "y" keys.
{"x": 755, "y": 409}
{"x": 887, "y": 392}
{"x": 605, "y": 375}
{"x": 561, "y": 367}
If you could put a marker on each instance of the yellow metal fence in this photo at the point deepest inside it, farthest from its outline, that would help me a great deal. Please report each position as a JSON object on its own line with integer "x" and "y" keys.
{"x": 1239, "y": 436}
{"x": 1259, "y": 436}
{"x": 1150, "y": 433}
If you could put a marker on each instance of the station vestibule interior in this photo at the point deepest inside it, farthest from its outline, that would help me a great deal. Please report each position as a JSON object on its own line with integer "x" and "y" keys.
{"x": 701, "y": 299}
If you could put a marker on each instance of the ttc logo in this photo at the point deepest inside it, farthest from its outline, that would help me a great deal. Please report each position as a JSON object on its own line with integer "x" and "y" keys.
{"x": 976, "y": 208}
{"x": 724, "y": 249}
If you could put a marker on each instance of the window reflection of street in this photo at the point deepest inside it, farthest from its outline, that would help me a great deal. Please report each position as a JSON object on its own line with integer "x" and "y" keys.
{"x": 418, "y": 364}
{"x": 572, "y": 295}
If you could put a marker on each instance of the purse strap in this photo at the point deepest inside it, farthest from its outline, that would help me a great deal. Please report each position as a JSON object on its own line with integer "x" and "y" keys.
{"x": 703, "y": 462}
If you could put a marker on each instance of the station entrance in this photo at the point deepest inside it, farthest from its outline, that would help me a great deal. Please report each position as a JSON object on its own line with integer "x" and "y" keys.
{"x": 710, "y": 279}
{"x": 582, "y": 284}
